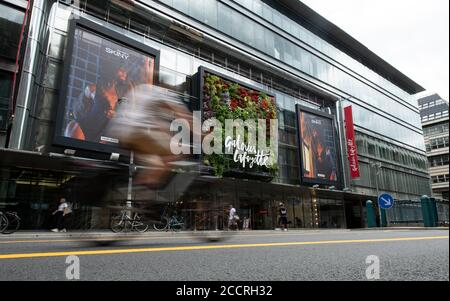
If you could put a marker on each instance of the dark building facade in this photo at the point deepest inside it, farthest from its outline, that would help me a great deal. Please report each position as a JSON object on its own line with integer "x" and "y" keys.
{"x": 279, "y": 48}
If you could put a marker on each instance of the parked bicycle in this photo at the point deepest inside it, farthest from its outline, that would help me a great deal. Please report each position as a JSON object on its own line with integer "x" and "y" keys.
{"x": 172, "y": 223}
{"x": 9, "y": 222}
{"x": 124, "y": 223}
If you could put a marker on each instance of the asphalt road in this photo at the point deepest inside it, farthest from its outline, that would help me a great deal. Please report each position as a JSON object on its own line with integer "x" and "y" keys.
{"x": 247, "y": 256}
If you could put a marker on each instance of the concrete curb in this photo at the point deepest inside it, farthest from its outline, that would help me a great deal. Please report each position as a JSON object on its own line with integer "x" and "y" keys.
{"x": 154, "y": 234}
{"x": 402, "y": 228}
{"x": 150, "y": 234}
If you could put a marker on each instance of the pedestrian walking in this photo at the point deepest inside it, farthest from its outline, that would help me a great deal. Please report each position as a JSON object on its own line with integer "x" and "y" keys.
{"x": 232, "y": 218}
{"x": 60, "y": 215}
{"x": 282, "y": 211}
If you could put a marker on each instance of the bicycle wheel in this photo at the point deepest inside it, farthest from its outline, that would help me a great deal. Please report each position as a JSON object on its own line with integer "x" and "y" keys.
{"x": 162, "y": 225}
{"x": 139, "y": 226}
{"x": 13, "y": 223}
{"x": 3, "y": 222}
{"x": 118, "y": 224}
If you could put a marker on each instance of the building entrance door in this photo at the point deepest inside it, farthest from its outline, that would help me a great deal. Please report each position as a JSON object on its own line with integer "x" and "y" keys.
{"x": 258, "y": 212}
{"x": 354, "y": 214}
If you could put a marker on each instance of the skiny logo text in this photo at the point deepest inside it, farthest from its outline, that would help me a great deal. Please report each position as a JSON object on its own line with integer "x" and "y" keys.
{"x": 117, "y": 53}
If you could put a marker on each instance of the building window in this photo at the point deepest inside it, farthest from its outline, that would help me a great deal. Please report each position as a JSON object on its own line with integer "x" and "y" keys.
{"x": 11, "y": 24}
{"x": 440, "y": 160}
{"x": 436, "y": 129}
{"x": 437, "y": 143}
{"x": 441, "y": 179}
{"x": 5, "y": 94}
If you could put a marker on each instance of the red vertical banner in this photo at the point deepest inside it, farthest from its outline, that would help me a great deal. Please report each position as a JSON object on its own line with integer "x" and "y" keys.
{"x": 351, "y": 143}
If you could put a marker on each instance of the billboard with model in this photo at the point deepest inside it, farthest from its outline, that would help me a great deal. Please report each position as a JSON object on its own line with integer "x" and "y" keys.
{"x": 318, "y": 147}
{"x": 102, "y": 71}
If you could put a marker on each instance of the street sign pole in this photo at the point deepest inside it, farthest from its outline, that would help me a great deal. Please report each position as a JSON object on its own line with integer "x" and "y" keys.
{"x": 378, "y": 195}
{"x": 377, "y": 172}
{"x": 385, "y": 201}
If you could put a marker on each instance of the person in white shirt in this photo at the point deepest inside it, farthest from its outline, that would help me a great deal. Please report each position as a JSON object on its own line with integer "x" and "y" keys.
{"x": 60, "y": 214}
{"x": 232, "y": 218}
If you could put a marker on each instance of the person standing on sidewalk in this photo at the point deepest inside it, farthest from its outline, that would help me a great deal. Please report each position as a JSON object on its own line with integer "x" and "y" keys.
{"x": 60, "y": 215}
{"x": 283, "y": 217}
{"x": 232, "y": 218}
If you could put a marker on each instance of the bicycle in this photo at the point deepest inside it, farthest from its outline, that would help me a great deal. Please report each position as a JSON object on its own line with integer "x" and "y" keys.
{"x": 9, "y": 222}
{"x": 167, "y": 223}
{"x": 123, "y": 222}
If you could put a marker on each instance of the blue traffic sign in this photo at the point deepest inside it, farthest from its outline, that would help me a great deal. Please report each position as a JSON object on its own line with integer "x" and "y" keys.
{"x": 386, "y": 201}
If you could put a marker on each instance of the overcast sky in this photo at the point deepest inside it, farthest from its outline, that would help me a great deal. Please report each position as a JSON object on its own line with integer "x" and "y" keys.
{"x": 411, "y": 35}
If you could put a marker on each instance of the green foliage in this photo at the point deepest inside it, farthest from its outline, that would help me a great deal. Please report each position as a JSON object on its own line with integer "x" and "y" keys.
{"x": 227, "y": 100}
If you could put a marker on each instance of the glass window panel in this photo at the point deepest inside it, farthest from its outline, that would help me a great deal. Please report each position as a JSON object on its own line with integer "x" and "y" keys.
{"x": 225, "y": 20}
{"x": 168, "y": 59}
{"x": 211, "y": 13}
{"x": 11, "y": 26}
{"x": 259, "y": 37}
{"x": 278, "y": 47}
{"x": 277, "y": 19}
{"x": 258, "y": 7}
{"x": 270, "y": 42}
{"x": 288, "y": 52}
{"x": 196, "y": 9}
{"x": 183, "y": 63}
{"x": 267, "y": 13}
{"x": 168, "y": 2}
{"x": 181, "y": 5}
{"x": 286, "y": 25}
{"x": 5, "y": 84}
{"x": 5, "y": 93}
{"x": 247, "y": 4}
{"x": 247, "y": 34}
{"x": 237, "y": 31}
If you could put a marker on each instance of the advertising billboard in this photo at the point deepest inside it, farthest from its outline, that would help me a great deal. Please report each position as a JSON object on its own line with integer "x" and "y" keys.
{"x": 102, "y": 69}
{"x": 229, "y": 100}
{"x": 318, "y": 147}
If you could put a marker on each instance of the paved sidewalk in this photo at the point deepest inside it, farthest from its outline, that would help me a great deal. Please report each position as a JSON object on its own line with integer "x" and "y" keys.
{"x": 108, "y": 233}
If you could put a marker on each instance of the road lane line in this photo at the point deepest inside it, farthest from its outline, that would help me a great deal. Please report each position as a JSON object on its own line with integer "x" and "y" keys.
{"x": 212, "y": 247}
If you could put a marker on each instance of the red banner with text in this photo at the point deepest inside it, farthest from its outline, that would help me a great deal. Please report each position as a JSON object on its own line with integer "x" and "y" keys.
{"x": 351, "y": 143}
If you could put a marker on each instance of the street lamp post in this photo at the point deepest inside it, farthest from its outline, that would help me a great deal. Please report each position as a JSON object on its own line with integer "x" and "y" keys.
{"x": 378, "y": 166}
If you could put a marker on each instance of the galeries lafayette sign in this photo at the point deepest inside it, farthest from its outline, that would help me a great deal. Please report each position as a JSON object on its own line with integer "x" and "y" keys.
{"x": 352, "y": 151}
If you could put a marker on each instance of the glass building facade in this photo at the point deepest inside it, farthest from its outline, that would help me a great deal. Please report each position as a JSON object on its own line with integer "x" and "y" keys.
{"x": 434, "y": 115}
{"x": 259, "y": 43}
